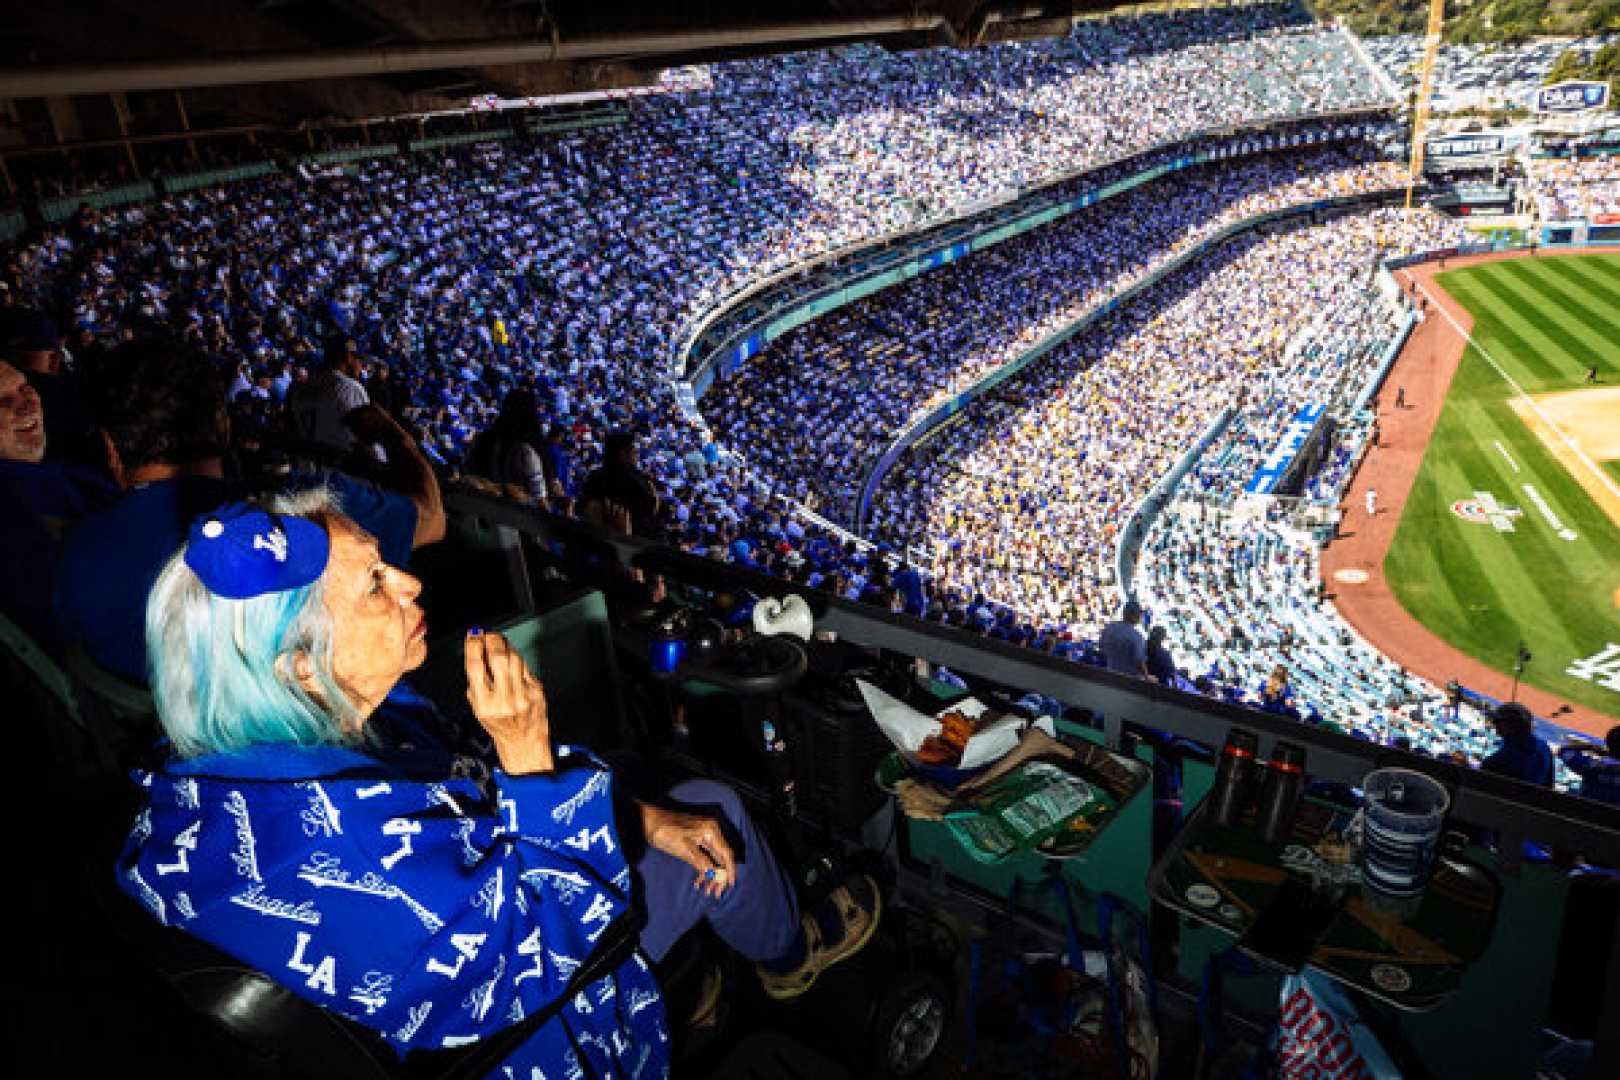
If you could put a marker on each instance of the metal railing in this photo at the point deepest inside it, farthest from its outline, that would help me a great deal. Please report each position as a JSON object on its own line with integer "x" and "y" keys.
{"x": 1514, "y": 810}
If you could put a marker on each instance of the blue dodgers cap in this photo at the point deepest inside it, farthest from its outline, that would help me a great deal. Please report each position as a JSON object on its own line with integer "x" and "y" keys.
{"x": 241, "y": 551}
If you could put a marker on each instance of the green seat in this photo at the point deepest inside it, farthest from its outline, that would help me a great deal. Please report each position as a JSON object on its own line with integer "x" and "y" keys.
{"x": 119, "y": 716}
{"x": 39, "y": 692}
{"x": 569, "y": 646}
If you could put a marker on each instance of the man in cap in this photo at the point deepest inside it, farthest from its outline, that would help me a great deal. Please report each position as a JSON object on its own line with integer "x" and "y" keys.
{"x": 1597, "y": 764}
{"x": 1523, "y": 755}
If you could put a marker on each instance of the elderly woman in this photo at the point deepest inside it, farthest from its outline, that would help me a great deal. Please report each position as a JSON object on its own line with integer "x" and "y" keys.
{"x": 314, "y": 822}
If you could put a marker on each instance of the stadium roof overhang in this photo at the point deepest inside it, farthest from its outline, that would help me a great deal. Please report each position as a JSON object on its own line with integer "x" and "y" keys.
{"x": 354, "y": 58}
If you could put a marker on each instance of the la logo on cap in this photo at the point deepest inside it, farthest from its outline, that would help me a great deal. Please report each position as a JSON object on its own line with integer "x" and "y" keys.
{"x": 275, "y": 542}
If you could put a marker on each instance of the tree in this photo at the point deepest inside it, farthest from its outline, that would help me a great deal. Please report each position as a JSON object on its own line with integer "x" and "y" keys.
{"x": 1569, "y": 65}
{"x": 1602, "y": 17}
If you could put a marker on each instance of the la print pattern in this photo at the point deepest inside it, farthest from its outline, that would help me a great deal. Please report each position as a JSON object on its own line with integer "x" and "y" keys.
{"x": 403, "y": 907}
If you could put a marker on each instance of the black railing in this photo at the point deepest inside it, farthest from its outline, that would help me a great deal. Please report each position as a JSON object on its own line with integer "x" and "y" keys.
{"x": 1514, "y": 810}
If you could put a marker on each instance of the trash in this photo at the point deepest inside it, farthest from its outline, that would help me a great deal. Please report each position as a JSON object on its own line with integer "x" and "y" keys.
{"x": 967, "y": 735}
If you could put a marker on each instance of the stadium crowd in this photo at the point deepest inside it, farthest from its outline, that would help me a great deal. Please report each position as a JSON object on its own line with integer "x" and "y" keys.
{"x": 535, "y": 292}
{"x": 816, "y": 409}
{"x": 1021, "y": 501}
{"x": 436, "y": 285}
{"x": 1566, "y": 188}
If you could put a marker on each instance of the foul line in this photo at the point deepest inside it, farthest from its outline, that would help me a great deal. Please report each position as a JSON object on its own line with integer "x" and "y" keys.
{"x": 1602, "y": 476}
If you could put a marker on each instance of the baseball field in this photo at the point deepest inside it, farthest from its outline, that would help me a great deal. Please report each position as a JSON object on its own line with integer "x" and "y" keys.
{"x": 1511, "y": 532}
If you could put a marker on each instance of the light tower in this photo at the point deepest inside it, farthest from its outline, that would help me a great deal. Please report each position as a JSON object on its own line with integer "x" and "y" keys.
{"x": 1420, "y": 114}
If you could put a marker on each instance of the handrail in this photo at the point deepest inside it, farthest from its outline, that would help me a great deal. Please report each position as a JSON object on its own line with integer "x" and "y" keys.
{"x": 1128, "y": 549}
{"x": 1514, "y": 810}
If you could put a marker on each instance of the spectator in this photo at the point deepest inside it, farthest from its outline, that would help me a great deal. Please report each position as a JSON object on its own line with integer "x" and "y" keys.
{"x": 1598, "y": 766}
{"x": 386, "y": 392}
{"x": 320, "y": 408}
{"x": 1160, "y": 664}
{"x": 621, "y": 481}
{"x": 1277, "y": 695}
{"x": 508, "y": 453}
{"x": 559, "y": 466}
{"x": 1523, "y": 755}
{"x": 1123, "y": 649}
{"x": 41, "y": 499}
{"x": 300, "y": 751}
{"x": 30, "y": 341}
{"x": 161, "y": 411}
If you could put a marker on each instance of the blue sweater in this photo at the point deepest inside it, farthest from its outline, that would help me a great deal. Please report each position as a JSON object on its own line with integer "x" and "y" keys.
{"x": 385, "y": 887}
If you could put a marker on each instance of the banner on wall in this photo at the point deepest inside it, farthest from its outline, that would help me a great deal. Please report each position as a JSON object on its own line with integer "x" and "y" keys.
{"x": 1465, "y": 146}
{"x": 1570, "y": 97}
{"x": 1293, "y": 440}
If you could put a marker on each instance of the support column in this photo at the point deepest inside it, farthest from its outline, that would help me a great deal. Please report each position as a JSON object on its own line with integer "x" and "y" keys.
{"x": 185, "y": 125}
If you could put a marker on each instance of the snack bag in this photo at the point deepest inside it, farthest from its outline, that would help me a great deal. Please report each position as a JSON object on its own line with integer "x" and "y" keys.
{"x": 1028, "y": 806}
{"x": 1320, "y": 1035}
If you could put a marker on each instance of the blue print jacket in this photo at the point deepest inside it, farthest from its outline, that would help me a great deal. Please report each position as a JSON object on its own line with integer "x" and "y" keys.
{"x": 424, "y": 905}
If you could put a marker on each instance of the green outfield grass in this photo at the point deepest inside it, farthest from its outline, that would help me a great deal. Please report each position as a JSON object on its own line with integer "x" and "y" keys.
{"x": 1543, "y": 320}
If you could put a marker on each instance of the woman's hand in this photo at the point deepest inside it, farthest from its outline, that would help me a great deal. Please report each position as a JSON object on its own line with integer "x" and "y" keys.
{"x": 509, "y": 703}
{"x": 695, "y": 840}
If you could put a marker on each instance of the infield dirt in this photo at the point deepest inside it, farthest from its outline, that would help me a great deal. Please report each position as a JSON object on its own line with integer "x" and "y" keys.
{"x": 1591, "y": 420}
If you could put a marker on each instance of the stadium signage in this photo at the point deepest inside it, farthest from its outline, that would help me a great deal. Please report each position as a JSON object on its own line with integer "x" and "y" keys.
{"x": 1466, "y": 146}
{"x": 1570, "y": 97}
{"x": 1294, "y": 436}
{"x": 1483, "y": 509}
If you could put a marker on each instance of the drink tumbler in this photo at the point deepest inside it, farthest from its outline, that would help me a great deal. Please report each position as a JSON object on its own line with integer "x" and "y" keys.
{"x": 1234, "y": 778}
{"x": 1279, "y": 794}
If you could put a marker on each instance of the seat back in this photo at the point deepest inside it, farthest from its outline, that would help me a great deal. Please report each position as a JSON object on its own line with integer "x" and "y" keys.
{"x": 36, "y": 688}
{"x": 120, "y": 717}
{"x": 569, "y": 646}
{"x": 277, "y": 1032}
{"x": 282, "y": 1035}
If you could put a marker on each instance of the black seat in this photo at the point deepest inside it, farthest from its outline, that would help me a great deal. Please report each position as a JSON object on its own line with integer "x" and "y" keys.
{"x": 119, "y": 716}
{"x": 277, "y": 1033}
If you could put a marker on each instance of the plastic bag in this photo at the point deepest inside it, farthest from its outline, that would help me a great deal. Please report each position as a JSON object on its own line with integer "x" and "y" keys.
{"x": 1033, "y": 803}
{"x": 1320, "y": 1036}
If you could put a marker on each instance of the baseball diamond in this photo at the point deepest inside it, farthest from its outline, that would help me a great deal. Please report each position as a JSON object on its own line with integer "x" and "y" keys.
{"x": 1523, "y": 443}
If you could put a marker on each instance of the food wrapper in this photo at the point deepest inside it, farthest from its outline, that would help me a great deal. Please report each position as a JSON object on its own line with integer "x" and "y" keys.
{"x": 994, "y": 734}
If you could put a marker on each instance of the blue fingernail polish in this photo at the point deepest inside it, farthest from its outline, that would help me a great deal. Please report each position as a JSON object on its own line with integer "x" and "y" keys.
{"x": 475, "y": 631}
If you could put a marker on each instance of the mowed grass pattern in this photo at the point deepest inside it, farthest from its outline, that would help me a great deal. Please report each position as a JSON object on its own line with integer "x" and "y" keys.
{"x": 1544, "y": 320}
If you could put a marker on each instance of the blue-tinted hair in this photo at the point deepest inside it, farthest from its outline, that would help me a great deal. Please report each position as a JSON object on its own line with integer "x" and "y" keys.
{"x": 224, "y": 672}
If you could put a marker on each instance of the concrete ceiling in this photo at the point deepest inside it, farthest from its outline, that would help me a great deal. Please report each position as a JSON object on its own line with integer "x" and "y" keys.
{"x": 283, "y": 61}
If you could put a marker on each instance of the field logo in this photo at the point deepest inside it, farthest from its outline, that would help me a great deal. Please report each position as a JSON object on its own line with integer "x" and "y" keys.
{"x": 1483, "y": 509}
{"x": 1603, "y": 669}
